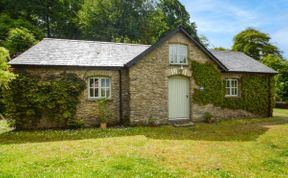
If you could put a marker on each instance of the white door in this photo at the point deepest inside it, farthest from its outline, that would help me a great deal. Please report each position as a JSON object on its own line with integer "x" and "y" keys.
{"x": 178, "y": 98}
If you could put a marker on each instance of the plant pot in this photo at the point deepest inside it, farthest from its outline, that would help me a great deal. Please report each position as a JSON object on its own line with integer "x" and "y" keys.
{"x": 103, "y": 125}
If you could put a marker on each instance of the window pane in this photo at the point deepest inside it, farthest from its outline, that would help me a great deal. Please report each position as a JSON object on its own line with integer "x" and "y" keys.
{"x": 107, "y": 82}
{"x": 227, "y": 91}
{"x": 91, "y": 92}
{"x": 96, "y": 92}
{"x": 103, "y": 83}
{"x": 91, "y": 82}
{"x": 108, "y": 92}
{"x": 96, "y": 83}
{"x": 227, "y": 83}
{"x": 102, "y": 92}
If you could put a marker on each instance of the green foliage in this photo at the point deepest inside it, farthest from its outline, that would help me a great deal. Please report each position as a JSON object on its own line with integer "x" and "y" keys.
{"x": 104, "y": 112}
{"x": 254, "y": 95}
{"x": 31, "y": 99}
{"x": 254, "y": 90}
{"x": 5, "y": 72}
{"x": 175, "y": 14}
{"x": 19, "y": 40}
{"x": 7, "y": 23}
{"x": 254, "y": 43}
{"x": 141, "y": 21}
{"x": 75, "y": 124}
{"x": 281, "y": 66}
{"x": 204, "y": 40}
{"x": 207, "y": 76}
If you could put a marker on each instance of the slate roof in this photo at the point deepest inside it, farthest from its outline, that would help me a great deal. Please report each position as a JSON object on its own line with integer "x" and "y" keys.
{"x": 240, "y": 62}
{"x": 60, "y": 52}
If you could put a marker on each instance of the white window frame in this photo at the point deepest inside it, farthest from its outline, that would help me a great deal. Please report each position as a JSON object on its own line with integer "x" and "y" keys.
{"x": 100, "y": 87}
{"x": 233, "y": 87}
{"x": 176, "y": 53}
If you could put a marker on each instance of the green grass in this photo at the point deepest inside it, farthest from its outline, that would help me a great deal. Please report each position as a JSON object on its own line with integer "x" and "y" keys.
{"x": 235, "y": 148}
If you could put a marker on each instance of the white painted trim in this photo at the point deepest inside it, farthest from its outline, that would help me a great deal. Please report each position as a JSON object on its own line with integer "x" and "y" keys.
{"x": 100, "y": 87}
{"x": 180, "y": 50}
{"x": 231, "y": 88}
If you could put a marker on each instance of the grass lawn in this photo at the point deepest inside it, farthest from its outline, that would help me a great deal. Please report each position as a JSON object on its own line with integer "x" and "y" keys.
{"x": 238, "y": 148}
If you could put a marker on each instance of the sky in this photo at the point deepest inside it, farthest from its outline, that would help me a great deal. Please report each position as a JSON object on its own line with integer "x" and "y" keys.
{"x": 221, "y": 20}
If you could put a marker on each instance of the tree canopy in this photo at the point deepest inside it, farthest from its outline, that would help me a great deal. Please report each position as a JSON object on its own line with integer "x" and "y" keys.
{"x": 255, "y": 44}
{"x": 5, "y": 74}
{"x": 281, "y": 66}
{"x": 141, "y": 21}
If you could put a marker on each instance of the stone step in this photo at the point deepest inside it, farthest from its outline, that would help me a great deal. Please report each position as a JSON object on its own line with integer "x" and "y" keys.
{"x": 181, "y": 123}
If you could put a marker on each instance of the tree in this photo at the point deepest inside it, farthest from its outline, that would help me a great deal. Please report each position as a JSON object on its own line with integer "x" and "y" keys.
{"x": 255, "y": 44}
{"x": 19, "y": 40}
{"x": 281, "y": 66}
{"x": 5, "y": 72}
{"x": 57, "y": 17}
{"x": 7, "y": 23}
{"x": 204, "y": 40}
{"x": 176, "y": 15}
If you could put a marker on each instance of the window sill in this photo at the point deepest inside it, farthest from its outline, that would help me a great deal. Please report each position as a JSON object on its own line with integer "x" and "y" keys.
{"x": 232, "y": 96}
{"x": 96, "y": 99}
{"x": 178, "y": 64}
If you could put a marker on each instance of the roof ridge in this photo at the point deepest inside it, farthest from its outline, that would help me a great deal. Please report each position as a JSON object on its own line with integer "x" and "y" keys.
{"x": 90, "y": 41}
{"x": 227, "y": 51}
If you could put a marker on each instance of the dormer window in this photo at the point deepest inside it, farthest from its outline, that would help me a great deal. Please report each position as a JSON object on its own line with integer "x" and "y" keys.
{"x": 177, "y": 54}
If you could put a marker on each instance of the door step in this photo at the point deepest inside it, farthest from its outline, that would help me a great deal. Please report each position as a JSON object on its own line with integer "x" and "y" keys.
{"x": 181, "y": 123}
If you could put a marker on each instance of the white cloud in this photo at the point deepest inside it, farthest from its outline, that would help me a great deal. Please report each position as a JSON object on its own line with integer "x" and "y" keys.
{"x": 280, "y": 38}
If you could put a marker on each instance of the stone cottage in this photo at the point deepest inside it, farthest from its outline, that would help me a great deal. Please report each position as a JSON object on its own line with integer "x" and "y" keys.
{"x": 150, "y": 83}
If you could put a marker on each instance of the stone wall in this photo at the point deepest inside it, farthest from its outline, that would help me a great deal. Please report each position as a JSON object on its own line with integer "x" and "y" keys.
{"x": 149, "y": 80}
{"x": 86, "y": 109}
{"x": 149, "y": 85}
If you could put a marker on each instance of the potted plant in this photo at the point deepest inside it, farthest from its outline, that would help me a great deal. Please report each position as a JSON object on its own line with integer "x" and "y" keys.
{"x": 104, "y": 112}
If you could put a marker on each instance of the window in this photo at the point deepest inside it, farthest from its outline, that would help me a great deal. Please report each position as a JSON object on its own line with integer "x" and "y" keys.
{"x": 231, "y": 86}
{"x": 99, "y": 87}
{"x": 177, "y": 54}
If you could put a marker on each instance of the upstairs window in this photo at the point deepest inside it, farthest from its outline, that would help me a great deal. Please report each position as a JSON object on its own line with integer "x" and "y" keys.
{"x": 232, "y": 87}
{"x": 99, "y": 87}
{"x": 177, "y": 54}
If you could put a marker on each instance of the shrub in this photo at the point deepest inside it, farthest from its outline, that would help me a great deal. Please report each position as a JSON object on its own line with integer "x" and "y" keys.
{"x": 30, "y": 98}
{"x": 104, "y": 113}
{"x": 75, "y": 123}
{"x": 208, "y": 117}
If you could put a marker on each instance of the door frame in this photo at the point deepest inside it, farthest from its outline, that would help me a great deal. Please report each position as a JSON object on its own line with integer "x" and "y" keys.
{"x": 189, "y": 97}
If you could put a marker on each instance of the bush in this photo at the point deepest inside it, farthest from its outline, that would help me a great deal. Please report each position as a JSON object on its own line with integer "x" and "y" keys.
{"x": 208, "y": 117}
{"x": 29, "y": 99}
{"x": 75, "y": 124}
{"x": 105, "y": 112}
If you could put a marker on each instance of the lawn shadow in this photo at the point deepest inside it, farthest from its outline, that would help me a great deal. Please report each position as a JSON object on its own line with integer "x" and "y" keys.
{"x": 235, "y": 130}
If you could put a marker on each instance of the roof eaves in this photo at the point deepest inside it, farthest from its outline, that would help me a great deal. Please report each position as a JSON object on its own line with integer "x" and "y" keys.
{"x": 68, "y": 66}
{"x": 249, "y": 72}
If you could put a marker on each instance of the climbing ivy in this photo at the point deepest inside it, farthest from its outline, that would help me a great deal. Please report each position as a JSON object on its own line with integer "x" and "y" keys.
{"x": 207, "y": 76}
{"x": 255, "y": 90}
{"x": 30, "y": 99}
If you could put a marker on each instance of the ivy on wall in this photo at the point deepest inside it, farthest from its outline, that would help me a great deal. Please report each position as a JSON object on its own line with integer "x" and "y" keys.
{"x": 30, "y": 98}
{"x": 207, "y": 76}
{"x": 255, "y": 90}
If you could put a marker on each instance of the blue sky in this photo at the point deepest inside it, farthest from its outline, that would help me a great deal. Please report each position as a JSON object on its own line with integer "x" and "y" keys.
{"x": 221, "y": 20}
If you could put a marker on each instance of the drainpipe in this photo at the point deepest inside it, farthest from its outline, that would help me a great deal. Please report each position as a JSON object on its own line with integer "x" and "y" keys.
{"x": 120, "y": 97}
{"x": 270, "y": 113}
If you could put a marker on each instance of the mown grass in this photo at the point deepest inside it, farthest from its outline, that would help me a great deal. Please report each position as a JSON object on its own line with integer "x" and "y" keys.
{"x": 235, "y": 148}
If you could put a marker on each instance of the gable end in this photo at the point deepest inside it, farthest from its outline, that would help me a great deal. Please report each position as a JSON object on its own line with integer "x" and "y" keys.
{"x": 170, "y": 34}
